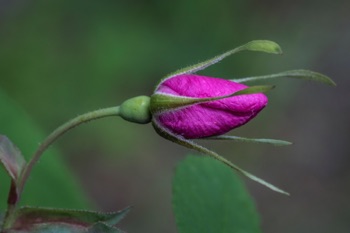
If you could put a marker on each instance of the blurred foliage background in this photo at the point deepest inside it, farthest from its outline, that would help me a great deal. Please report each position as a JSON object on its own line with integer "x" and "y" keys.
{"x": 62, "y": 58}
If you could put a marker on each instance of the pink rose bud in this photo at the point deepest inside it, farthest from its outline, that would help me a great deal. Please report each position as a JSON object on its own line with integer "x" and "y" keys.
{"x": 204, "y": 119}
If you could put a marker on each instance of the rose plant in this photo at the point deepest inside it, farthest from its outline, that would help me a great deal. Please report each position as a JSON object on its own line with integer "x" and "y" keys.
{"x": 183, "y": 107}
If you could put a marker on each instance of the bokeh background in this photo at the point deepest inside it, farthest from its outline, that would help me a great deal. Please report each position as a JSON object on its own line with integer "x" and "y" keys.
{"x": 62, "y": 58}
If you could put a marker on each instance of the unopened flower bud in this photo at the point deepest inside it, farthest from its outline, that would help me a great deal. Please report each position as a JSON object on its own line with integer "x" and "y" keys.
{"x": 177, "y": 106}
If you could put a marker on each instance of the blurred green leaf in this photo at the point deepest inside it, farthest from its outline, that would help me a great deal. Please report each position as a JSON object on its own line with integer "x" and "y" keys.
{"x": 13, "y": 161}
{"x": 50, "y": 228}
{"x": 103, "y": 228}
{"x": 29, "y": 217}
{"x": 2, "y": 215}
{"x": 209, "y": 197}
{"x": 11, "y": 157}
{"x": 51, "y": 183}
{"x": 67, "y": 228}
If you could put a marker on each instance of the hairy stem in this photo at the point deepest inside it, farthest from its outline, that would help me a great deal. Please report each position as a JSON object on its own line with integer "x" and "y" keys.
{"x": 94, "y": 115}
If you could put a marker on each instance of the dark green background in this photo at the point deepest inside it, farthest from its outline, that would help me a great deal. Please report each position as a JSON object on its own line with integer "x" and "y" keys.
{"x": 62, "y": 58}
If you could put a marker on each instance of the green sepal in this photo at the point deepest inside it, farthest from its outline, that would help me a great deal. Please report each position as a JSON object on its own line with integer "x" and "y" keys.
{"x": 298, "y": 74}
{"x": 192, "y": 145}
{"x": 163, "y": 102}
{"x": 274, "y": 142}
{"x": 255, "y": 45}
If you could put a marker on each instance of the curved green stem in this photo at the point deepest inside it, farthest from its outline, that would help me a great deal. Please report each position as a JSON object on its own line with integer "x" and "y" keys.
{"x": 94, "y": 115}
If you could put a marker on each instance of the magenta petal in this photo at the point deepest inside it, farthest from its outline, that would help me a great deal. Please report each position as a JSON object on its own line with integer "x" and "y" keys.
{"x": 211, "y": 118}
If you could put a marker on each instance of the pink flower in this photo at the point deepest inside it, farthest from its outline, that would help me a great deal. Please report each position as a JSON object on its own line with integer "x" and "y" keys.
{"x": 187, "y": 106}
{"x": 210, "y": 118}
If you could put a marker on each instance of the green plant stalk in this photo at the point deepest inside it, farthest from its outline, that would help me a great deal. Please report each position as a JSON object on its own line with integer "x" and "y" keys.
{"x": 8, "y": 219}
{"x": 94, "y": 115}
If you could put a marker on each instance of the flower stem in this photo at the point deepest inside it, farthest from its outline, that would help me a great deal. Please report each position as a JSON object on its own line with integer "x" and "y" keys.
{"x": 94, "y": 115}
{"x": 8, "y": 219}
